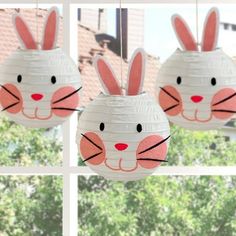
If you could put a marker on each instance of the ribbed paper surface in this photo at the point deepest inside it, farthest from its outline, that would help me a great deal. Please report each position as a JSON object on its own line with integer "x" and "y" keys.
{"x": 36, "y": 68}
{"x": 121, "y": 114}
{"x": 196, "y": 70}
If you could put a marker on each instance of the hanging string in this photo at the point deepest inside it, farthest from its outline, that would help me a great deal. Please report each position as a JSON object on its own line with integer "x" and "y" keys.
{"x": 197, "y": 33}
{"x": 121, "y": 48}
{"x": 37, "y": 24}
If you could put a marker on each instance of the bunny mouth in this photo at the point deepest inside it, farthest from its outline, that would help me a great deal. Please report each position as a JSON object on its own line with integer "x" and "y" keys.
{"x": 196, "y": 119}
{"x": 35, "y": 116}
{"x": 56, "y": 105}
{"x": 120, "y": 168}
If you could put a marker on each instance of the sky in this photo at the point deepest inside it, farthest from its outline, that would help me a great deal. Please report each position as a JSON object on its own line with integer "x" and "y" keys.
{"x": 159, "y": 37}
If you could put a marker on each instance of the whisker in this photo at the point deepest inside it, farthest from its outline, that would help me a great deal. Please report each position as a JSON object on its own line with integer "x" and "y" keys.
{"x": 225, "y": 99}
{"x": 10, "y": 92}
{"x": 222, "y": 110}
{"x": 168, "y": 93}
{"x": 10, "y": 106}
{"x": 65, "y": 108}
{"x": 92, "y": 156}
{"x": 67, "y": 96}
{"x": 155, "y": 145}
{"x": 172, "y": 107}
{"x": 91, "y": 141}
{"x": 151, "y": 159}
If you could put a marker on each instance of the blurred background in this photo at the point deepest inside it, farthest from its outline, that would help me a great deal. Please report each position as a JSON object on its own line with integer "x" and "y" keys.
{"x": 158, "y": 205}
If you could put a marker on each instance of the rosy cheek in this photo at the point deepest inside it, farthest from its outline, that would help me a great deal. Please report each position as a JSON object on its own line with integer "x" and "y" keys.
{"x": 11, "y": 99}
{"x": 170, "y": 100}
{"x": 64, "y": 101}
{"x": 92, "y": 148}
{"x": 148, "y": 154}
{"x": 223, "y": 104}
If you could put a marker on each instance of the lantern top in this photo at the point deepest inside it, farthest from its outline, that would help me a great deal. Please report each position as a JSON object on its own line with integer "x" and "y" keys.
{"x": 50, "y": 32}
{"x": 214, "y": 51}
{"x": 124, "y": 97}
{"x": 38, "y": 51}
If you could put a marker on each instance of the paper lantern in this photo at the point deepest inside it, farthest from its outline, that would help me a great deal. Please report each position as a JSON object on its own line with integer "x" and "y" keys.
{"x": 39, "y": 87}
{"x": 123, "y": 137}
{"x": 196, "y": 89}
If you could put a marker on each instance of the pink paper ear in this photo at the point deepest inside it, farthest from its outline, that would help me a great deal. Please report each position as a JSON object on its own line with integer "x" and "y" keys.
{"x": 107, "y": 76}
{"x": 136, "y": 73}
{"x": 183, "y": 34}
{"x": 51, "y": 29}
{"x": 23, "y": 33}
{"x": 211, "y": 30}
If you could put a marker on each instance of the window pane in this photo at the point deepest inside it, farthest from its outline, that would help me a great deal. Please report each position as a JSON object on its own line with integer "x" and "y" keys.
{"x": 150, "y": 27}
{"x": 30, "y": 205}
{"x": 22, "y": 146}
{"x": 157, "y": 206}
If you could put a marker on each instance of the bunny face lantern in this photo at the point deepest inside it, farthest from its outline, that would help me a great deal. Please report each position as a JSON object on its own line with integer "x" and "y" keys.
{"x": 197, "y": 89}
{"x": 123, "y": 137}
{"x": 39, "y": 87}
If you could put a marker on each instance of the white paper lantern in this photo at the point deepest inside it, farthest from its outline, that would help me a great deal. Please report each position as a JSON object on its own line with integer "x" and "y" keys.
{"x": 123, "y": 137}
{"x": 39, "y": 87}
{"x": 196, "y": 89}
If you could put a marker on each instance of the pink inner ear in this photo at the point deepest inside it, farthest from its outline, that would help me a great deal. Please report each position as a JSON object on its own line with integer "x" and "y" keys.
{"x": 50, "y": 31}
{"x": 210, "y": 33}
{"x": 25, "y": 34}
{"x": 184, "y": 35}
{"x": 108, "y": 78}
{"x": 135, "y": 75}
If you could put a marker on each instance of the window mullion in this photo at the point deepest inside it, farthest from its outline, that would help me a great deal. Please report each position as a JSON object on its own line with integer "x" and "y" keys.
{"x": 70, "y": 219}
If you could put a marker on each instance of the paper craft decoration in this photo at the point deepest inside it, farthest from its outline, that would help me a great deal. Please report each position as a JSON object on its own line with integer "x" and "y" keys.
{"x": 196, "y": 89}
{"x": 39, "y": 87}
{"x": 123, "y": 137}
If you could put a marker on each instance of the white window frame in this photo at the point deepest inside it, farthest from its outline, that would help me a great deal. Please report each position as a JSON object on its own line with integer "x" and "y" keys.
{"x": 69, "y": 169}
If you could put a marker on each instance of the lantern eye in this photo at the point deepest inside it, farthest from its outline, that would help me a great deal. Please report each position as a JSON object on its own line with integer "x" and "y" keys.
{"x": 178, "y": 80}
{"x": 53, "y": 79}
{"x": 139, "y": 128}
{"x": 19, "y": 78}
{"x": 213, "y": 81}
{"x": 102, "y": 126}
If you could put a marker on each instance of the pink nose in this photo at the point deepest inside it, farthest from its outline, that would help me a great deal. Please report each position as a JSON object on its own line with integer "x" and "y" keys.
{"x": 37, "y": 96}
{"x": 196, "y": 98}
{"x": 121, "y": 146}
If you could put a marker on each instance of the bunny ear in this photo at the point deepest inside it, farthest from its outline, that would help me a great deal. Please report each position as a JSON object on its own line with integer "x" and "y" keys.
{"x": 211, "y": 30}
{"x": 136, "y": 73}
{"x": 183, "y": 33}
{"x": 23, "y": 33}
{"x": 106, "y": 76}
{"x": 51, "y": 27}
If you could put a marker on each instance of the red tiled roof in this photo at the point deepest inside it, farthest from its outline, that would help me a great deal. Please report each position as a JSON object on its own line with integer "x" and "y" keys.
{"x": 91, "y": 86}
{"x": 88, "y": 46}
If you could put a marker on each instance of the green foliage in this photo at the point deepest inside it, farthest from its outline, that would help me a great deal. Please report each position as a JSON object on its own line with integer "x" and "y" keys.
{"x": 155, "y": 206}
{"x": 166, "y": 206}
{"x": 158, "y": 206}
{"x": 207, "y": 148}
{"x": 26, "y": 147}
{"x": 30, "y": 205}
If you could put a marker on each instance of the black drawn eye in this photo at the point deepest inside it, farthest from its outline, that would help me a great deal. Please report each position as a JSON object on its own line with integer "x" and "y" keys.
{"x": 19, "y": 78}
{"x": 178, "y": 80}
{"x": 139, "y": 128}
{"x": 53, "y": 79}
{"x": 102, "y": 126}
{"x": 213, "y": 81}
